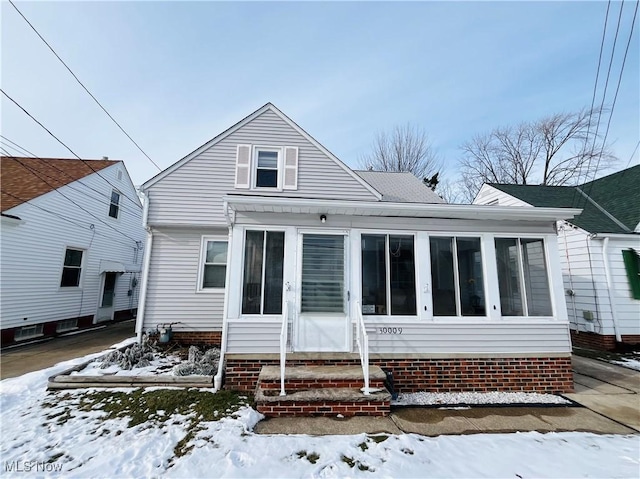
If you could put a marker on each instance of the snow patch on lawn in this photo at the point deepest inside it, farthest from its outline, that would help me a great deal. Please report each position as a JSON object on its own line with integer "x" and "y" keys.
{"x": 428, "y": 398}
{"x": 43, "y": 426}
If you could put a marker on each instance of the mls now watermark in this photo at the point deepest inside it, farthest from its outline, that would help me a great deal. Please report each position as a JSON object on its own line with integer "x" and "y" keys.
{"x": 32, "y": 466}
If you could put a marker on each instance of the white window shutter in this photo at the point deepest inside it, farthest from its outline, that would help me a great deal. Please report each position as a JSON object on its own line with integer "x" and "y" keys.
{"x": 243, "y": 166}
{"x": 290, "y": 168}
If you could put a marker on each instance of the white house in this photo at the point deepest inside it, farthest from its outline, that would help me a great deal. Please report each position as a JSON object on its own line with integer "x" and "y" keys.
{"x": 72, "y": 241}
{"x": 264, "y": 242}
{"x": 599, "y": 252}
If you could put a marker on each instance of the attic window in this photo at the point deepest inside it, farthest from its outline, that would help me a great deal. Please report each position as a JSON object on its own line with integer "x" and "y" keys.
{"x": 114, "y": 206}
{"x": 267, "y": 163}
{"x": 632, "y": 266}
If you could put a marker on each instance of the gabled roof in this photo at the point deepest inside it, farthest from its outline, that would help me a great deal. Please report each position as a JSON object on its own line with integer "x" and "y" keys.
{"x": 611, "y": 203}
{"x": 241, "y": 123}
{"x": 22, "y": 179}
{"x": 399, "y": 187}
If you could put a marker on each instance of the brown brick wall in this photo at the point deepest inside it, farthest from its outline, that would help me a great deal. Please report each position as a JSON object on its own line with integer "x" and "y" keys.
{"x": 544, "y": 375}
{"x": 607, "y": 342}
{"x": 304, "y": 408}
{"x": 213, "y": 338}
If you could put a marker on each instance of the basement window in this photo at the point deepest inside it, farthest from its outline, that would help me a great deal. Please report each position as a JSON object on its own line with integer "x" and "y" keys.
{"x": 67, "y": 325}
{"x": 28, "y": 332}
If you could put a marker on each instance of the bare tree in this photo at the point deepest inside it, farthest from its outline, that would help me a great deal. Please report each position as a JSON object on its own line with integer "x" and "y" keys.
{"x": 405, "y": 148}
{"x": 557, "y": 150}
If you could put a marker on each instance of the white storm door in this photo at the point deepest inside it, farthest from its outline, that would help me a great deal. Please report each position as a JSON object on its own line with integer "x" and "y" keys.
{"x": 322, "y": 320}
{"x": 107, "y": 299}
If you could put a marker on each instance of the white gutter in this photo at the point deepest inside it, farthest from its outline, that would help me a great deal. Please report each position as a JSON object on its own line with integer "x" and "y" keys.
{"x": 255, "y": 203}
{"x": 607, "y": 273}
{"x": 145, "y": 267}
{"x": 217, "y": 379}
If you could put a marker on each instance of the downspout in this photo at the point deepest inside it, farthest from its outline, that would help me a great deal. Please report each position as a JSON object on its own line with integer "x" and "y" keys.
{"x": 607, "y": 274}
{"x": 217, "y": 379}
{"x": 145, "y": 267}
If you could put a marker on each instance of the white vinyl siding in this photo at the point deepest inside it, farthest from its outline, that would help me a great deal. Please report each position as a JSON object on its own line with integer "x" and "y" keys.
{"x": 459, "y": 337}
{"x": 583, "y": 273}
{"x": 174, "y": 274}
{"x": 192, "y": 194}
{"x": 31, "y": 291}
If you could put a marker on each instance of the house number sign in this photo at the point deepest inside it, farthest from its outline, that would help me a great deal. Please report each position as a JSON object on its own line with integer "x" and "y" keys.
{"x": 389, "y": 330}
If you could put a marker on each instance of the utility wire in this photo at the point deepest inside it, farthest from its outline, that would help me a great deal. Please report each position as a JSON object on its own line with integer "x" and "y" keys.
{"x": 61, "y": 142}
{"x": 595, "y": 89}
{"x": 72, "y": 201}
{"x": 27, "y": 152}
{"x": 52, "y": 165}
{"x": 633, "y": 153}
{"x": 604, "y": 95}
{"x": 84, "y": 87}
{"x": 103, "y": 196}
{"x": 64, "y": 218}
{"x": 615, "y": 97}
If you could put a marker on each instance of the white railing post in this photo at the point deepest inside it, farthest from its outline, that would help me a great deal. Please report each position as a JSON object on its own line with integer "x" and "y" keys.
{"x": 283, "y": 346}
{"x": 362, "y": 340}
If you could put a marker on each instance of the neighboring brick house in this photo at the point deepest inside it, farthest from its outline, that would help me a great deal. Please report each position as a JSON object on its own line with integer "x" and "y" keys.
{"x": 599, "y": 252}
{"x": 264, "y": 242}
{"x": 71, "y": 247}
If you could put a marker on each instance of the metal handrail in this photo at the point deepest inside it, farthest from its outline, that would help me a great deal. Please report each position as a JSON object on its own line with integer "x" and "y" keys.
{"x": 283, "y": 346}
{"x": 362, "y": 340}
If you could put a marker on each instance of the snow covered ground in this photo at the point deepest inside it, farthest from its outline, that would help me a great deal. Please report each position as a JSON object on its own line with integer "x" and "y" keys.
{"x": 42, "y": 434}
{"x": 495, "y": 397}
{"x": 628, "y": 363}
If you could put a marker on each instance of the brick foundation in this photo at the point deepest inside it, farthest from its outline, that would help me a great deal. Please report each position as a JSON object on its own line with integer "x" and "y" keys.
{"x": 305, "y": 408}
{"x": 49, "y": 329}
{"x": 606, "y": 342}
{"x": 211, "y": 338}
{"x": 543, "y": 375}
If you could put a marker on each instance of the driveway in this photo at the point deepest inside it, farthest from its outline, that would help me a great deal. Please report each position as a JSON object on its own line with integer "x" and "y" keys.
{"x": 610, "y": 390}
{"x": 33, "y": 357}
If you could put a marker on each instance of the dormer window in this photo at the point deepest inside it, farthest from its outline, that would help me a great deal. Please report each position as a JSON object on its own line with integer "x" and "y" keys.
{"x": 114, "y": 206}
{"x": 267, "y": 164}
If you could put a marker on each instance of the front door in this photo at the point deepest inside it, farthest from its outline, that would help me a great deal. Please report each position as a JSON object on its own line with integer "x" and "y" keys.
{"x": 105, "y": 310}
{"x": 323, "y": 322}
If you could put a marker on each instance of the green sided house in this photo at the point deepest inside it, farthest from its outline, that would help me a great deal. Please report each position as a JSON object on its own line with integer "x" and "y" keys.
{"x": 318, "y": 281}
{"x": 599, "y": 252}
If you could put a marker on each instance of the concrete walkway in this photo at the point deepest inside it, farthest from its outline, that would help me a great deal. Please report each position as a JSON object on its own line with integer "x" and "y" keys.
{"x": 33, "y": 357}
{"x": 609, "y": 394}
{"x": 610, "y": 390}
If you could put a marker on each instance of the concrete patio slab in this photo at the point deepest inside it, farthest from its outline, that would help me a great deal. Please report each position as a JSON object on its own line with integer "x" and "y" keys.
{"x": 321, "y": 426}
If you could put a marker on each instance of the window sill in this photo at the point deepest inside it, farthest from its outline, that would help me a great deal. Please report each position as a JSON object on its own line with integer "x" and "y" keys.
{"x": 211, "y": 290}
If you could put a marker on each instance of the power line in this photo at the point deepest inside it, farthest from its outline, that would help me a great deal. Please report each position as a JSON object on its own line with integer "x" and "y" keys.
{"x": 615, "y": 97}
{"x": 18, "y": 146}
{"x": 632, "y": 153}
{"x": 70, "y": 200}
{"x": 61, "y": 142}
{"x": 604, "y": 95}
{"x": 84, "y": 87}
{"x": 52, "y": 164}
{"x": 595, "y": 86}
{"x": 61, "y": 216}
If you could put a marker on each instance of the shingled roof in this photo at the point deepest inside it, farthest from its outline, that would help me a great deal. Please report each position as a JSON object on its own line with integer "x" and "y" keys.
{"x": 617, "y": 194}
{"x": 22, "y": 179}
{"x": 399, "y": 187}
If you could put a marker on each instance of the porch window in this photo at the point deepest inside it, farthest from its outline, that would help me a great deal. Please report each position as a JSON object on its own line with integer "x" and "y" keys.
{"x": 263, "y": 272}
{"x": 523, "y": 280}
{"x": 214, "y": 269}
{"x": 457, "y": 276}
{"x": 72, "y": 268}
{"x": 388, "y": 275}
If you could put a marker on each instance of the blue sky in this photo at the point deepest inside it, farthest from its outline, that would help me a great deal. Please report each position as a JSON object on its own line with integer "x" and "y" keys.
{"x": 175, "y": 74}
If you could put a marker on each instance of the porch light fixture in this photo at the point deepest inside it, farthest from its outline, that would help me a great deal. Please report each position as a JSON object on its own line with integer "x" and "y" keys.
{"x": 323, "y": 218}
